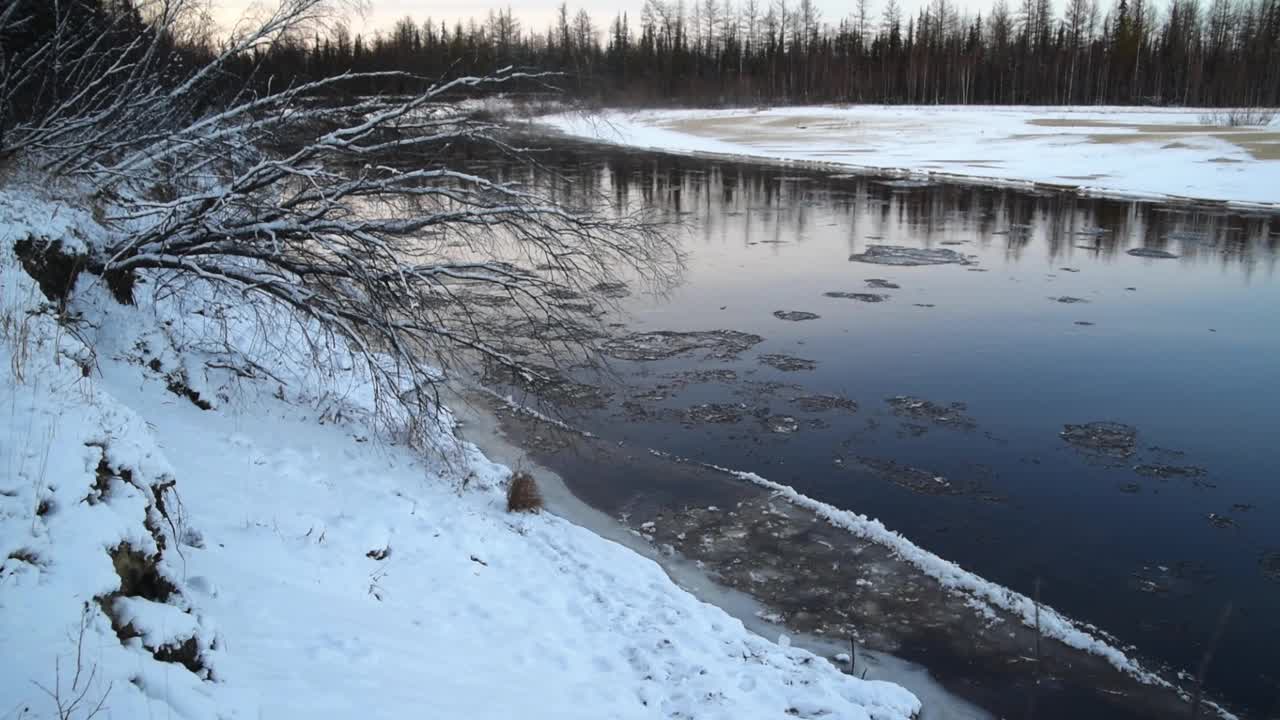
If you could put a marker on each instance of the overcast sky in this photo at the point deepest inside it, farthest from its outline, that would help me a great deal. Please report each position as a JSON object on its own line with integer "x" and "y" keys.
{"x": 538, "y": 14}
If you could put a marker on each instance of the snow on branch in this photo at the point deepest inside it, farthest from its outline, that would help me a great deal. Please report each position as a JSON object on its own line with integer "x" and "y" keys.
{"x": 346, "y": 212}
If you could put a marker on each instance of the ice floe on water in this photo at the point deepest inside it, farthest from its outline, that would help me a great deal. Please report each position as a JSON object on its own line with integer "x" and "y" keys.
{"x": 787, "y": 363}
{"x": 1151, "y": 253}
{"x": 795, "y": 315}
{"x": 909, "y": 256}
{"x": 859, "y": 296}
{"x": 663, "y": 344}
{"x": 980, "y": 592}
{"x": 1106, "y": 438}
{"x": 952, "y": 415}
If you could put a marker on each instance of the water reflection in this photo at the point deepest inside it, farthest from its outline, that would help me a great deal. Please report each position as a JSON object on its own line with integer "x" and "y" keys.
{"x": 1183, "y": 350}
{"x": 785, "y": 200}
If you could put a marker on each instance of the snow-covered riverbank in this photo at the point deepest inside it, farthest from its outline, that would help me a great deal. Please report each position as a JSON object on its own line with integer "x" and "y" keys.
{"x": 275, "y": 555}
{"x": 483, "y": 428}
{"x": 1141, "y": 152}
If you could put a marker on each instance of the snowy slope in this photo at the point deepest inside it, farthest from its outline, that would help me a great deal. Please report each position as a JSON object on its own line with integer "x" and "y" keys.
{"x": 1113, "y": 151}
{"x": 276, "y": 557}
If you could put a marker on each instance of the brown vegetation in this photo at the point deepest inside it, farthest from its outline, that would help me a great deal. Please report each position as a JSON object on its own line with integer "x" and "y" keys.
{"x": 522, "y": 494}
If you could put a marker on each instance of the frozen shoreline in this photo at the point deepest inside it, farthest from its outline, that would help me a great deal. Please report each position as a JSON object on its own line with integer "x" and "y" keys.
{"x": 482, "y": 428}
{"x": 991, "y": 623}
{"x": 1140, "y": 153}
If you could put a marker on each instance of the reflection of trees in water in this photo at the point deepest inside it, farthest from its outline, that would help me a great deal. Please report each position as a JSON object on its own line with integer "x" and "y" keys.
{"x": 749, "y": 203}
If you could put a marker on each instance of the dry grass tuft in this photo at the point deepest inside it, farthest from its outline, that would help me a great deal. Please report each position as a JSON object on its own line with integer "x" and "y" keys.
{"x": 522, "y": 494}
{"x": 1240, "y": 117}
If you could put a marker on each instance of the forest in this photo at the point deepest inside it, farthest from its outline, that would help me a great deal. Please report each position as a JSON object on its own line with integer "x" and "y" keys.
{"x": 718, "y": 52}
{"x": 752, "y": 52}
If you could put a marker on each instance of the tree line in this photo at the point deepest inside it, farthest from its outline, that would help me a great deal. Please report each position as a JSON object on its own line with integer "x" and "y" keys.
{"x": 1225, "y": 53}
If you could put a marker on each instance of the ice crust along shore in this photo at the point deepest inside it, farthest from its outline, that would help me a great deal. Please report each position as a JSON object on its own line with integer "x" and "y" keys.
{"x": 1135, "y": 152}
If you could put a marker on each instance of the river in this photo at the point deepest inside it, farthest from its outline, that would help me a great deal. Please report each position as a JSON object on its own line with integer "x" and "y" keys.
{"x": 1042, "y": 406}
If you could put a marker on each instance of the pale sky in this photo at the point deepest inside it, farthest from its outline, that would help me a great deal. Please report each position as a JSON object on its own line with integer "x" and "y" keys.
{"x": 539, "y": 14}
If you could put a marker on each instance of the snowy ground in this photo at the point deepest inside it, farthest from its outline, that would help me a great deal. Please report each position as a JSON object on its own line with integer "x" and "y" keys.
{"x": 483, "y": 427}
{"x": 1117, "y": 151}
{"x": 276, "y": 557}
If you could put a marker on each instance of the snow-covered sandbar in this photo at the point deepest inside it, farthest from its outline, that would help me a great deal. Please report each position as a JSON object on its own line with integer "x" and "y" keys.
{"x": 1140, "y": 152}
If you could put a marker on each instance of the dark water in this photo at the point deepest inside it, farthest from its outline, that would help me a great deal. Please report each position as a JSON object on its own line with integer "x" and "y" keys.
{"x": 1185, "y": 350}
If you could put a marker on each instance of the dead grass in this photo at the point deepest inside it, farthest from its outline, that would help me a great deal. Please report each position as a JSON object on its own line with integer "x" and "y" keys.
{"x": 522, "y": 494}
{"x": 15, "y": 328}
{"x": 1239, "y": 117}
{"x": 75, "y": 703}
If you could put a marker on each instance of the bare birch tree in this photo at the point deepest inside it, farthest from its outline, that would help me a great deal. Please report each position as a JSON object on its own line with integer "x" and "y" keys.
{"x": 346, "y": 213}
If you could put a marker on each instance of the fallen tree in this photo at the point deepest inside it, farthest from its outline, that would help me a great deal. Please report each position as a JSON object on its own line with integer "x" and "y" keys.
{"x": 345, "y": 211}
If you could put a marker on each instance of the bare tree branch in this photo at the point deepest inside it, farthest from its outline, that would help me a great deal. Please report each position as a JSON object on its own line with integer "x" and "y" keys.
{"x": 345, "y": 212}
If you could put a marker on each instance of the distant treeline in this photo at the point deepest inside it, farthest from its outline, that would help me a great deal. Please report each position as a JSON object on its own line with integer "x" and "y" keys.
{"x": 756, "y": 51}
{"x": 707, "y": 52}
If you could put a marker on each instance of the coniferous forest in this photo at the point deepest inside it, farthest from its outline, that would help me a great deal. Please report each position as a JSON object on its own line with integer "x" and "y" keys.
{"x": 1223, "y": 53}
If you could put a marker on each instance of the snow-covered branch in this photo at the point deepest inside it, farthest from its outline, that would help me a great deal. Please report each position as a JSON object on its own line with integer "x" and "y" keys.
{"x": 344, "y": 211}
